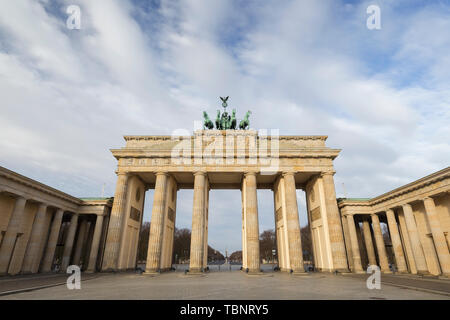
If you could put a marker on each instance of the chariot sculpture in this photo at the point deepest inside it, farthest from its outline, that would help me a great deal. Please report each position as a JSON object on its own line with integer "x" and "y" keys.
{"x": 225, "y": 121}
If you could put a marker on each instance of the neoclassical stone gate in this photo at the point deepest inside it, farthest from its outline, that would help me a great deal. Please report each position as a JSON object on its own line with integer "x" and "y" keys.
{"x": 225, "y": 159}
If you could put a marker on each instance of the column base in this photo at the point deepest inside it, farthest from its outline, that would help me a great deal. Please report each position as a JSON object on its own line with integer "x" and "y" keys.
{"x": 357, "y": 271}
{"x": 151, "y": 273}
{"x": 300, "y": 273}
{"x": 89, "y": 271}
{"x": 196, "y": 271}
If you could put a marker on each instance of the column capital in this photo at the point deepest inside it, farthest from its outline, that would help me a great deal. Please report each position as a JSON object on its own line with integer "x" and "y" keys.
{"x": 326, "y": 173}
{"x": 406, "y": 205}
{"x": 200, "y": 172}
{"x": 389, "y": 210}
{"x": 428, "y": 198}
{"x": 161, "y": 173}
{"x": 287, "y": 173}
{"x": 250, "y": 173}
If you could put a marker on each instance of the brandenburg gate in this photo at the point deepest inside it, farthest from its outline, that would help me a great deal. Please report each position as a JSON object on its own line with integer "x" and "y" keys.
{"x": 225, "y": 158}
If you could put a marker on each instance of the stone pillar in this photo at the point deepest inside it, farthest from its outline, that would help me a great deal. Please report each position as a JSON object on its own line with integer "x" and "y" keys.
{"x": 348, "y": 242}
{"x": 354, "y": 243}
{"x": 157, "y": 224}
{"x": 407, "y": 243}
{"x": 52, "y": 241}
{"x": 10, "y": 237}
{"x": 369, "y": 243}
{"x": 32, "y": 257}
{"x": 112, "y": 249}
{"x": 205, "y": 226}
{"x": 440, "y": 243}
{"x": 80, "y": 242}
{"x": 68, "y": 245}
{"x": 293, "y": 224}
{"x": 382, "y": 256}
{"x": 334, "y": 224}
{"x": 198, "y": 219}
{"x": 252, "y": 224}
{"x": 416, "y": 246}
{"x": 396, "y": 241}
{"x": 95, "y": 244}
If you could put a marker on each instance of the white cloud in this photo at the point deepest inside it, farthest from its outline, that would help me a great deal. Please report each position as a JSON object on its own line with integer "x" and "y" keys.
{"x": 306, "y": 67}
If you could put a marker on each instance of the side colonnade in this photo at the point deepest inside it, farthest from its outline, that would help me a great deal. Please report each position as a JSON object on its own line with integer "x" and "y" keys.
{"x": 416, "y": 221}
{"x": 44, "y": 230}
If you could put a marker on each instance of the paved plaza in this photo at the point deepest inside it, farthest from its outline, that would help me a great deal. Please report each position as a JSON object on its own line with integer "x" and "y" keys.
{"x": 229, "y": 285}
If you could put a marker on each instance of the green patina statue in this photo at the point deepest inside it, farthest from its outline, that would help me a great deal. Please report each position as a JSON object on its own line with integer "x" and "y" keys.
{"x": 245, "y": 123}
{"x": 224, "y": 121}
{"x": 207, "y": 123}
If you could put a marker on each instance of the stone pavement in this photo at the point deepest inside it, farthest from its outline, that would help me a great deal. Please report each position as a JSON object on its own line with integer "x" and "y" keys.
{"x": 30, "y": 282}
{"x": 231, "y": 285}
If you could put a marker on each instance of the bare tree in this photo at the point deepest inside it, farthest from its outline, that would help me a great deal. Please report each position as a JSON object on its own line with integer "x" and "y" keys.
{"x": 267, "y": 244}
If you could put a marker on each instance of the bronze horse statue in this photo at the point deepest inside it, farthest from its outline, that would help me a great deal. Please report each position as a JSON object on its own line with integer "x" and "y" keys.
{"x": 207, "y": 123}
{"x": 245, "y": 123}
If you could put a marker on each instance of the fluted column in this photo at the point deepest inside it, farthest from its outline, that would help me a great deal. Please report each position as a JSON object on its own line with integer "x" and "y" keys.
{"x": 396, "y": 241}
{"x": 198, "y": 220}
{"x": 252, "y": 224}
{"x": 10, "y": 237}
{"x": 369, "y": 243}
{"x": 440, "y": 243}
{"x": 112, "y": 249}
{"x": 354, "y": 243}
{"x": 80, "y": 243}
{"x": 95, "y": 244}
{"x": 293, "y": 224}
{"x": 407, "y": 243}
{"x": 381, "y": 249}
{"x": 416, "y": 246}
{"x": 31, "y": 263}
{"x": 348, "y": 242}
{"x": 157, "y": 224}
{"x": 334, "y": 224}
{"x": 68, "y": 245}
{"x": 52, "y": 241}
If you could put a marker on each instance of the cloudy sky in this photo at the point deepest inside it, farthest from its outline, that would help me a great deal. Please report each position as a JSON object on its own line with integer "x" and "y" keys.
{"x": 151, "y": 67}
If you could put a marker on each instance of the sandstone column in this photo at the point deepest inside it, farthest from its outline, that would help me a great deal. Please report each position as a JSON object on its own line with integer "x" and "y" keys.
{"x": 334, "y": 224}
{"x": 416, "y": 246}
{"x": 382, "y": 256}
{"x": 354, "y": 243}
{"x": 111, "y": 255}
{"x": 80, "y": 242}
{"x": 30, "y": 263}
{"x": 252, "y": 224}
{"x": 293, "y": 225}
{"x": 396, "y": 241}
{"x": 369, "y": 244}
{"x": 10, "y": 237}
{"x": 157, "y": 224}
{"x": 68, "y": 245}
{"x": 440, "y": 243}
{"x": 198, "y": 220}
{"x": 407, "y": 243}
{"x": 52, "y": 241}
{"x": 95, "y": 244}
{"x": 348, "y": 242}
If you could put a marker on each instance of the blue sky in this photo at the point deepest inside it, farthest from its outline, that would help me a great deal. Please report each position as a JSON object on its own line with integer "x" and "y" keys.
{"x": 304, "y": 67}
